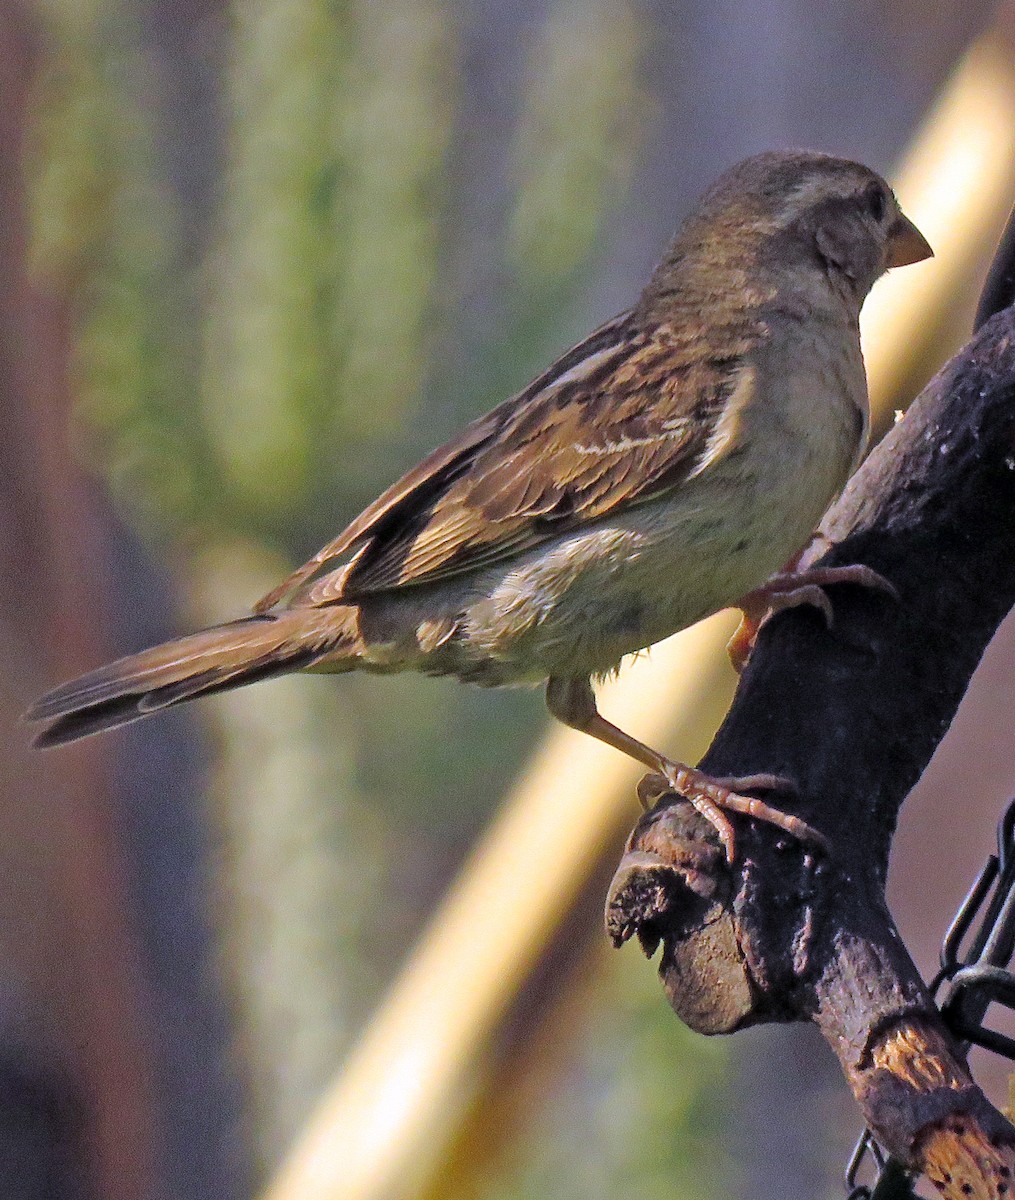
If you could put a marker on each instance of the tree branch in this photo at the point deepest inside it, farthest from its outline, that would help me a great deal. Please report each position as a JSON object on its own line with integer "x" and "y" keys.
{"x": 853, "y": 716}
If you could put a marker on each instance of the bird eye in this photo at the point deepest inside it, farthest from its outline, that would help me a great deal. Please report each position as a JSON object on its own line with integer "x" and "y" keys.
{"x": 875, "y": 202}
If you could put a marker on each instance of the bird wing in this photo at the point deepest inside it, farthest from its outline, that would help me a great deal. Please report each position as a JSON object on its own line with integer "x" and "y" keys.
{"x": 624, "y": 416}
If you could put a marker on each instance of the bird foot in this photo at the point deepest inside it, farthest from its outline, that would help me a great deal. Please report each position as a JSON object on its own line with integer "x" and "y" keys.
{"x": 790, "y": 591}
{"x": 711, "y": 796}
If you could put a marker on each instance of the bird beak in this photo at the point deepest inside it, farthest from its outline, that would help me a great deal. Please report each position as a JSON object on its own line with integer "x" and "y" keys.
{"x": 906, "y": 244}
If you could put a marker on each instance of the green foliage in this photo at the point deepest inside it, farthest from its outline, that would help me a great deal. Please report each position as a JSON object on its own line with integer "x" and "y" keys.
{"x": 326, "y": 262}
{"x": 105, "y": 226}
{"x": 577, "y": 139}
{"x": 316, "y": 330}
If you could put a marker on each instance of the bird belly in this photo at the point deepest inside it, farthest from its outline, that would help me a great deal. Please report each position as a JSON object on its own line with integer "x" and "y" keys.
{"x": 579, "y": 607}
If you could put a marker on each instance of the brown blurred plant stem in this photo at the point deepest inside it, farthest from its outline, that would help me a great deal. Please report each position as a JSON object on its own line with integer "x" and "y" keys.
{"x": 853, "y": 717}
{"x": 69, "y": 983}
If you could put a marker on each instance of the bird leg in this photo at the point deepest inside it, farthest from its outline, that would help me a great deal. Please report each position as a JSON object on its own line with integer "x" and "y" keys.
{"x": 789, "y": 589}
{"x": 573, "y": 702}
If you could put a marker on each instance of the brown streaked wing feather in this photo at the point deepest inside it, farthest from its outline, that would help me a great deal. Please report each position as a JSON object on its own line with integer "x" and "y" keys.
{"x": 587, "y": 444}
{"x": 411, "y": 496}
{"x": 418, "y": 486}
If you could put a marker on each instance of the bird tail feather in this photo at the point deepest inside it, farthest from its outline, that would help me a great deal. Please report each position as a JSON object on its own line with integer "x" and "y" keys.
{"x": 214, "y": 660}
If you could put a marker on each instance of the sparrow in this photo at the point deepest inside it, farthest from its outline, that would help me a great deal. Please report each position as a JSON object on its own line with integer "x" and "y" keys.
{"x": 663, "y": 469}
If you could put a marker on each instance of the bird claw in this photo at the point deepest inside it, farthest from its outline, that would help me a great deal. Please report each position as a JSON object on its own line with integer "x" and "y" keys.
{"x": 763, "y": 782}
{"x": 653, "y": 786}
{"x": 651, "y": 789}
{"x": 792, "y": 590}
{"x": 713, "y": 798}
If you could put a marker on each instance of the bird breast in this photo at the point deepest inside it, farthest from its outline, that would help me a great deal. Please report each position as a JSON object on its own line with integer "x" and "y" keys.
{"x": 579, "y": 604}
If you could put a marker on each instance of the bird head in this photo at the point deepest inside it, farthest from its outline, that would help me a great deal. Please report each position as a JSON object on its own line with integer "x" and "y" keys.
{"x": 796, "y": 217}
{"x": 844, "y": 214}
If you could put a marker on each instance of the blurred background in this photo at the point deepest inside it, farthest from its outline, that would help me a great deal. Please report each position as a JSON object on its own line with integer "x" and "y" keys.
{"x": 255, "y": 259}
